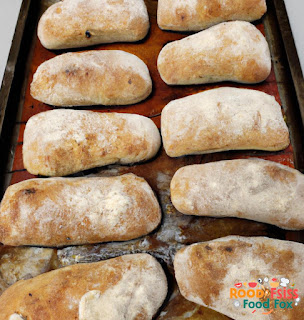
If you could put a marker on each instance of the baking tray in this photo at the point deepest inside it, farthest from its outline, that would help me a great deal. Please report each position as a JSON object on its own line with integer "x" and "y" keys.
{"x": 176, "y": 230}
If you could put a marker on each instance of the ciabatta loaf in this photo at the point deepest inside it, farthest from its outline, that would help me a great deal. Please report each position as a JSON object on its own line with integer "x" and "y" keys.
{"x": 68, "y": 211}
{"x": 82, "y": 23}
{"x": 103, "y": 77}
{"x": 230, "y": 51}
{"x": 128, "y": 287}
{"x": 252, "y": 189}
{"x": 227, "y": 274}
{"x": 61, "y": 142}
{"x": 223, "y": 119}
{"x": 195, "y": 15}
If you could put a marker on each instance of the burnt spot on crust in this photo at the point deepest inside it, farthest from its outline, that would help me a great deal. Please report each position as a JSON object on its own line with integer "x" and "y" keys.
{"x": 130, "y": 81}
{"x": 70, "y": 72}
{"x": 88, "y": 34}
{"x": 30, "y": 191}
{"x": 228, "y": 249}
{"x": 208, "y": 248}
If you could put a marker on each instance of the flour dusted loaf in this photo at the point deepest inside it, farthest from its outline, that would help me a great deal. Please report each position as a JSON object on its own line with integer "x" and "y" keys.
{"x": 69, "y": 211}
{"x": 61, "y": 142}
{"x": 97, "y": 77}
{"x": 128, "y": 287}
{"x": 230, "y": 51}
{"x": 223, "y": 119}
{"x": 82, "y": 23}
{"x": 195, "y": 15}
{"x": 206, "y": 272}
{"x": 252, "y": 189}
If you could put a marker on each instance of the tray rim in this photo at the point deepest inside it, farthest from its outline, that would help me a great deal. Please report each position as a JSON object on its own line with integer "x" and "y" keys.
{"x": 15, "y": 50}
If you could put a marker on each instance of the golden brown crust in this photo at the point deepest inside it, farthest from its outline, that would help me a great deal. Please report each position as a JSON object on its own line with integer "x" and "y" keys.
{"x": 82, "y": 23}
{"x": 206, "y": 271}
{"x": 223, "y": 119}
{"x": 56, "y": 295}
{"x": 69, "y": 211}
{"x": 200, "y": 14}
{"x": 231, "y": 51}
{"x": 104, "y": 77}
{"x": 61, "y": 142}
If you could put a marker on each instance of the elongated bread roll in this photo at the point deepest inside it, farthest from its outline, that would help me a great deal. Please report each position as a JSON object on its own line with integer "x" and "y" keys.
{"x": 61, "y": 142}
{"x": 82, "y": 23}
{"x": 197, "y": 15}
{"x": 107, "y": 77}
{"x": 253, "y": 189}
{"x": 235, "y": 51}
{"x": 224, "y": 273}
{"x": 68, "y": 211}
{"x": 223, "y": 119}
{"x": 128, "y": 287}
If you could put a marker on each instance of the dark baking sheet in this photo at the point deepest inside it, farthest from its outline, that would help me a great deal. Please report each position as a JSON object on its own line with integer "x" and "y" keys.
{"x": 176, "y": 230}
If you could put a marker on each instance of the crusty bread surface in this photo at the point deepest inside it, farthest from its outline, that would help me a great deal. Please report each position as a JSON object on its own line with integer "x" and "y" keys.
{"x": 206, "y": 272}
{"x": 97, "y": 77}
{"x": 68, "y": 211}
{"x": 195, "y": 15}
{"x": 252, "y": 189}
{"x": 62, "y": 142}
{"x": 82, "y": 23}
{"x": 230, "y": 51}
{"x": 223, "y": 119}
{"x": 127, "y": 287}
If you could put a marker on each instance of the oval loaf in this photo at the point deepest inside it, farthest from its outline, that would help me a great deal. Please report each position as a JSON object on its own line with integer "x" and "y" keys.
{"x": 69, "y": 211}
{"x": 62, "y": 142}
{"x": 252, "y": 189}
{"x": 195, "y": 15}
{"x": 222, "y": 274}
{"x": 128, "y": 287}
{"x": 103, "y": 77}
{"x": 223, "y": 119}
{"x": 82, "y": 23}
{"x": 230, "y": 51}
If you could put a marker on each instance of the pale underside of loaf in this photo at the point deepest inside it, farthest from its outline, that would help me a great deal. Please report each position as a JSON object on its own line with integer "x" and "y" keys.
{"x": 61, "y": 142}
{"x": 196, "y": 15}
{"x": 252, "y": 189}
{"x": 82, "y": 23}
{"x": 128, "y": 287}
{"x": 97, "y": 77}
{"x": 69, "y": 211}
{"x": 206, "y": 271}
{"x": 223, "y": 119}
{"x": 231, "y": 51}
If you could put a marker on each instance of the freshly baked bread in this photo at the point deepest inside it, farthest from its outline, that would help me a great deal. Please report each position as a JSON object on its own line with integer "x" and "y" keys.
{"x": 222, "y": 274}
{"x": 128, "y": 287}
{"x": 231, "y": 51}
{"x": 82, "y": 23}
{"x": 197, "y": 15}
{"x": 252, "y": 189}
{"x": 61, "y": 142}
{"x": 103, "y": 77}
{"x": 223, "y": 119}
{"x": 67, "y": 211}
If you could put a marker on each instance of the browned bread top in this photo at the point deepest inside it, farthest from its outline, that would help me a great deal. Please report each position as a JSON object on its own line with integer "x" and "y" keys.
{"x": 68, "y": 211}
{"x": 81, "y": 23}
{"x": 206, "y": 272}
{"x": 200, "y": 14}
{"x": 127, "y": 287}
